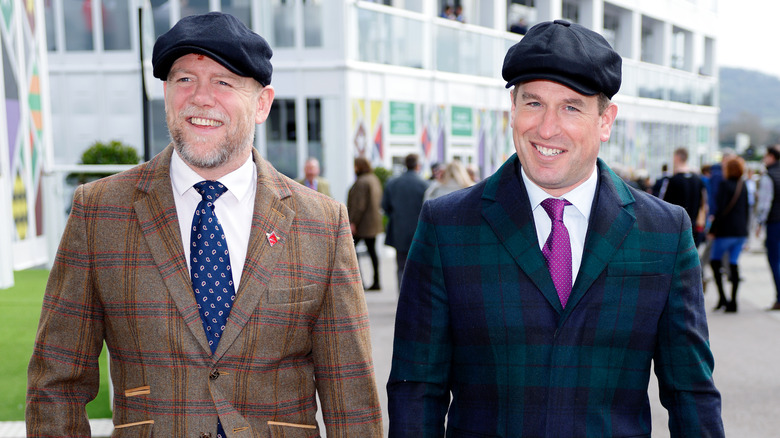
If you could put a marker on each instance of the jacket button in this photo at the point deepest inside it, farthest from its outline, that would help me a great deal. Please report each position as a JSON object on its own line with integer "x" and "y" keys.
{"x": 214, "y": 374}
{"x": 205, "y": 435}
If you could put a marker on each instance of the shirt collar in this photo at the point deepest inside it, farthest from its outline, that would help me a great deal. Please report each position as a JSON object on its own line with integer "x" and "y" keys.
{"x": 581, "y": 197}
{"x": 239, "y": 182}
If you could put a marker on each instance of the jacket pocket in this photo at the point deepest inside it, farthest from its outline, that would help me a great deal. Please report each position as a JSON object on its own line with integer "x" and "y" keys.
{"x": 136, "y": 429}
{"x": 294, "y": 295}
{"x": 280, "y": 429}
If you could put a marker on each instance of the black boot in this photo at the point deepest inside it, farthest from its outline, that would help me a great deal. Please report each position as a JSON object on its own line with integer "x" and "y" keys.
{"x": 716, "y": 266}
{"x": 731, "y": 307}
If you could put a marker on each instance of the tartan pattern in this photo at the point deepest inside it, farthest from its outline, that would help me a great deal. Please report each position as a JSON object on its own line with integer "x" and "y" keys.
{"x": 299, "y": 322}
{"x": 481, "y": 336}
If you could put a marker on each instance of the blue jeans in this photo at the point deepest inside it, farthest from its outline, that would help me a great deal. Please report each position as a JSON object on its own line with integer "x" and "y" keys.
{"x": 732, "y": 245}
{"x": 773, "y": 252}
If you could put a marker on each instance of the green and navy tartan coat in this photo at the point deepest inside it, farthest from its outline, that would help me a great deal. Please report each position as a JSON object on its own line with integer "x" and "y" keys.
{"x": 299, "y": 323}
{"x": 481, "y": 336}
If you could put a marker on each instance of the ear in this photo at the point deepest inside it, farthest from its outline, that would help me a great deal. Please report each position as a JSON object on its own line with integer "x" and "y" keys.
{"x": 264, "y": 100}
{"x": 606, "y": 120}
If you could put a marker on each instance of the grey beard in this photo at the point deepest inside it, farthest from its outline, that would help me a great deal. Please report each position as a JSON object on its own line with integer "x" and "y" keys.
{"x": 215, "y": 158}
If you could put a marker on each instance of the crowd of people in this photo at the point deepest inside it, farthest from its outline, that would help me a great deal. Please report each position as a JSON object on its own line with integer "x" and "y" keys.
{"x": 727, "y": 202}
{"x": 399, "y": 200}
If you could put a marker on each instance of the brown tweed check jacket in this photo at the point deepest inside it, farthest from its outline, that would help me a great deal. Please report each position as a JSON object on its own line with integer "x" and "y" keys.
{"x": 299, "y": 323}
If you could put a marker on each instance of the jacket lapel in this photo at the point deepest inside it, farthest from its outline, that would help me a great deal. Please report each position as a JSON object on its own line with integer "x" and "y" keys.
{"x": 271, "y": 221}
{"x": 160, "y": 227}
{"x": 507, "y": 210}
{"x": 611, "y": 219}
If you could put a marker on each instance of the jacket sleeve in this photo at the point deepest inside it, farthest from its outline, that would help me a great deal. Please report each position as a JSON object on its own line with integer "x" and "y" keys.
{"x": 683, "y": 361}
{"x": 63, "y": 371}
{"x": 341, "y": 347}
{"x": 418, "y": 389}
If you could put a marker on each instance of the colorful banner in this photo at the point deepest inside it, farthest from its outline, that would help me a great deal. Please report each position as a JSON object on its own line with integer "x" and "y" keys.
{"x": 23, "y": 46}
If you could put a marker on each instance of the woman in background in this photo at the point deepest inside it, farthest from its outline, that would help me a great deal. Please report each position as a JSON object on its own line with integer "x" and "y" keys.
{"x": 455, "y": 177}
{"x": 730, "y": 228}
{"x": 365, "y": 219}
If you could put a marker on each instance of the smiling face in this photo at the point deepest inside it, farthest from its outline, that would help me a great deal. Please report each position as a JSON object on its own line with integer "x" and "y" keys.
{"x": 557, "y": 134}
{"x": 211, "y": 114}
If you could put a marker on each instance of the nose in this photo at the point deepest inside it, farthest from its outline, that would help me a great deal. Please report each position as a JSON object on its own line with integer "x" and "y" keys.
{"x": 203, "y": 94}
{"x": 549, "y": 126}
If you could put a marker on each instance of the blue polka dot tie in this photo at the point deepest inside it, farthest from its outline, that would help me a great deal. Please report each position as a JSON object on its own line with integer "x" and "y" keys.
{"x": 557, "y": 249}
{"x": 212, "y": 281}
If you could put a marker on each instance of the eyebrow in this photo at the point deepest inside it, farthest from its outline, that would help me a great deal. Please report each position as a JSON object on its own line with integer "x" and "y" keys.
{"x": 576, "y": 101}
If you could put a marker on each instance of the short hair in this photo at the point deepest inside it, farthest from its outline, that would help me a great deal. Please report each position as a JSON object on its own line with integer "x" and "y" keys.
{"x": 682, "y": 153}
{"x": 734, "y": 167}
{"x": 411, "y": 161}
{"x": 774, "y": 151}
{"x": 362, "y": 166}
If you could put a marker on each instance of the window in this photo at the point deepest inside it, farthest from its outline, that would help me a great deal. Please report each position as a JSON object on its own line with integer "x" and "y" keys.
{"x": 240, "y": 9}
{"x": 282, "y": 150}
{"x": 283, "y": 24}
{"x": 116, "y": 25}
{"x": 312, "y": 23}
{"x": 194, "y": 7}
{"x": 314, "y": 131}
{"x": 51, "y": 30}
{"x": 78, "y": 24}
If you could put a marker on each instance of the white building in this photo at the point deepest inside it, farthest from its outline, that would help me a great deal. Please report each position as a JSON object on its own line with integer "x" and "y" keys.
{"x": 387, "y": 78}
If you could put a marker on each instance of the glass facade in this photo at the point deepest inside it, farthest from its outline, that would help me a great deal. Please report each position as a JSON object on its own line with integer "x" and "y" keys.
{"x": 402, "y": 37}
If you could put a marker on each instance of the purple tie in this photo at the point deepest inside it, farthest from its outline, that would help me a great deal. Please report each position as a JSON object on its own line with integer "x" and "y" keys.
{"x": 557, "y": 249}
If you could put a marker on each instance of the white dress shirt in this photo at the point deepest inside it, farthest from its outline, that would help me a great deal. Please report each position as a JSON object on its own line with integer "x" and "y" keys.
{"x": 575, "y": 216}
{"x": 234, "y": 208}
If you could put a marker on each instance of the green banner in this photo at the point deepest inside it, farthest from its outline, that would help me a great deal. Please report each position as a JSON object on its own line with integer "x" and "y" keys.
{"x": 402, "y": 118}
{"x": 462, "y": 121}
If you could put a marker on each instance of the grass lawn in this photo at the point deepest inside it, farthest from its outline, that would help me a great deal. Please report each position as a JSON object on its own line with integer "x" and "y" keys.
{"x": 21, "y": 307}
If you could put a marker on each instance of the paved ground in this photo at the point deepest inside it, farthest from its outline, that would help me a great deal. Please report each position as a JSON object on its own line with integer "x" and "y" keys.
{"x": 746, "y": 347}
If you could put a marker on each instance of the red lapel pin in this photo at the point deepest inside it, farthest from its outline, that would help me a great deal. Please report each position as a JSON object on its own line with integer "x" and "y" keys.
{"x": 272, "y": 239}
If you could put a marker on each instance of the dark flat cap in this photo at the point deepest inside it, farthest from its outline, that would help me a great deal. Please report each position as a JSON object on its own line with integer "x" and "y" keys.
{"x": 221, "y": 37}
{"x": 567, "y": 53}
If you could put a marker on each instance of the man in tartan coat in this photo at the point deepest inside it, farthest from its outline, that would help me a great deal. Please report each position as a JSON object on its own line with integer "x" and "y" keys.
{"x": 482, "y": 336}
{"x": 298, "y": 325}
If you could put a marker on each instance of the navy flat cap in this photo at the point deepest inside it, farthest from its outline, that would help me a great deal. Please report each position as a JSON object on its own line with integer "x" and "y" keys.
{"x": 567, "y": 53}
{"x": 221, "y": 37}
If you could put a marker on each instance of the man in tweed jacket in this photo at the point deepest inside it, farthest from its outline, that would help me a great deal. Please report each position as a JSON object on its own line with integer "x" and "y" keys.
{"x": 482, "y": 336}
{"x": 299, "y": 324}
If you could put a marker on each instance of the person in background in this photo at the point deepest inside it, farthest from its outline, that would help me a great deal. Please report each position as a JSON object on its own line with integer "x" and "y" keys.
{"x": 659, "y": 187}
{"x": 365, "y": 218}
{"x": 402, "y": 201}
{"x": 538, "y": 302}
{"x": 519, "y": 27}
{"x": 244, "y": 350}
{"x": 716, "y": 176}
{"x": 437, "y": 171}
{"x": 459, "y": 14}
{"x": 312, "y": 178}
{"x": 730, "y": 228}
{"x": 768, "y": 214}
{"x": 473, "y": 170}
{"x": 454, "y": 177}
{"x": 686, "y": 189}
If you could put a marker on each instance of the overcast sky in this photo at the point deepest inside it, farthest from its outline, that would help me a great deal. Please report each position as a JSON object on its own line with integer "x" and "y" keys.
{"x": 749, "y": 35}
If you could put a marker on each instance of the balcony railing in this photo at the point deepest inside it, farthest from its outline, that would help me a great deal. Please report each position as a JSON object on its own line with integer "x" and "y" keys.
{"x": 393, "y": 36}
